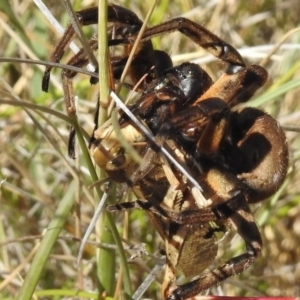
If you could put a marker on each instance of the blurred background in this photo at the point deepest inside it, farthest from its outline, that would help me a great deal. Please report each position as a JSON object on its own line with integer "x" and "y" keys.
{"x": 35, "y": 172}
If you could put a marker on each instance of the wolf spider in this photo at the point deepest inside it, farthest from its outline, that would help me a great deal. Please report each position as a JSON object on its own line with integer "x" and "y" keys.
{"x": 239, "y": 156}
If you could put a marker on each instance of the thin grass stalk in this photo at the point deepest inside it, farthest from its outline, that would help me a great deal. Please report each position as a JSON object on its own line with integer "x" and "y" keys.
{"x": 106, "y": 258}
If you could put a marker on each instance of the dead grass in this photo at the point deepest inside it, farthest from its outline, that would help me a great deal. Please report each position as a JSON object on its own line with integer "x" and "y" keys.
{"x": 36, "y": 174}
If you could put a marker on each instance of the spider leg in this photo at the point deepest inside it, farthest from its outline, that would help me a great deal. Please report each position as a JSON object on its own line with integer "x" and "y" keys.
{"x": 183, "y": 217}
{"x": 88, "y": 17}
{"x": 137, "y": 204}
{"x": 237, "y": 87}
{"x": 200, "y": 36}
{"x": 127, "y": 25}
{"x": 238, "y": 212}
